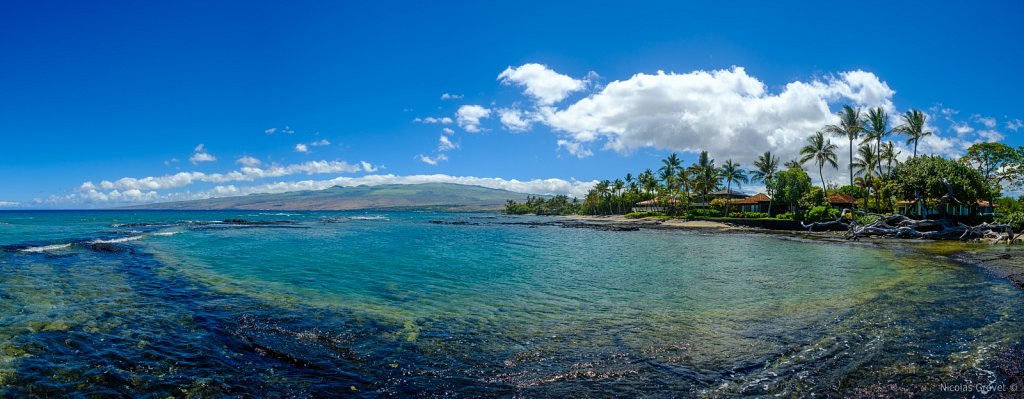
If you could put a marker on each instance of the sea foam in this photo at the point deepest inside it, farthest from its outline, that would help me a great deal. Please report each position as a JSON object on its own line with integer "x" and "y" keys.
{"x": 46, "y": 248}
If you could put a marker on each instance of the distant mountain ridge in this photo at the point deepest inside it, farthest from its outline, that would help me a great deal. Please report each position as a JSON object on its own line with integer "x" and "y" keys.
{"x": 435, "y": 196}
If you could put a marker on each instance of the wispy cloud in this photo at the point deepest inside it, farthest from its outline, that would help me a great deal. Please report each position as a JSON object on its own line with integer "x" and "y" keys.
{"x": 432, "y": 160}
{"x": 200, "y": 155}
{"x": 8, "y": 204}
{"x": 449, "y": 96}
{"x": 285, "y": 130}
{"x": 444, "y": 120}
{"x": 248, "y": 161}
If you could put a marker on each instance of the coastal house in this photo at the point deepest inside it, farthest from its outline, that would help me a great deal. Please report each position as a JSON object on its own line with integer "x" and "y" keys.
{"x": 841, "y": 201}
{"x": 919, "y": 208}
{"x": 654, "y": 205}
{"x": 757, "y": 203}
{"x": 732, "y": 195}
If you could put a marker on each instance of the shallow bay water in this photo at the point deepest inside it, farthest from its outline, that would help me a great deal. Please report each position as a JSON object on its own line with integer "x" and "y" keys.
{"x": 387, "y": 304}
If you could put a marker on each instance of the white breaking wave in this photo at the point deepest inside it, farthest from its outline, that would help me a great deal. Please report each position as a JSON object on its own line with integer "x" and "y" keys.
{"x": 117, "y": 240}
{"x": 166, "y": 233}
{"x": 45, "y": 248}
{"x": 369, "y": 217}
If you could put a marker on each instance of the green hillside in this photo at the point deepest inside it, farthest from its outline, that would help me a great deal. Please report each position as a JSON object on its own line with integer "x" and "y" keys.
{"x": 438, "y": 196}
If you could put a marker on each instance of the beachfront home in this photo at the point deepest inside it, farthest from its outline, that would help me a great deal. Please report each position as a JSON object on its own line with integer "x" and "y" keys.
{"x": 733, "y": 196}
{"x": 918, "y": 208}
{"x": 654, "y": 205}
{"x": 841, "y": 201}
{"x": 757, "y": 203}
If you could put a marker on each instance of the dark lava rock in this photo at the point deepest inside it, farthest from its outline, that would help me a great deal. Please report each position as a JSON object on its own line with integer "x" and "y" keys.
{"x": 1017, "y": 279}
{"x": 107, "y": 247}
{"x": 455, "y": 223}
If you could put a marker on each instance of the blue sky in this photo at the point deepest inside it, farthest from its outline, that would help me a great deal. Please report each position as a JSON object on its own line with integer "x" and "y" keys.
{"x": 100, "y": 91}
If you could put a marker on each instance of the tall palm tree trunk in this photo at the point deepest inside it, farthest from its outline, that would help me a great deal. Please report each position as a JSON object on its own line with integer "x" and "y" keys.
{"x": 851, "y": 161}
{"x": 728, "y": 189}
{"x": 824, "y": 191}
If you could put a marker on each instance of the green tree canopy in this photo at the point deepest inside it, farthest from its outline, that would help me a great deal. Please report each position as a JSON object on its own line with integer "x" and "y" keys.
{"x": 924, "y": 175}
{"x": 791, "y": 185}
{"x": 997, "y": 163}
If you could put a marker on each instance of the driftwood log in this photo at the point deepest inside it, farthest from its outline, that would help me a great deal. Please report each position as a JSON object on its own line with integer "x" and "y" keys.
{"x": 900, "y": 226}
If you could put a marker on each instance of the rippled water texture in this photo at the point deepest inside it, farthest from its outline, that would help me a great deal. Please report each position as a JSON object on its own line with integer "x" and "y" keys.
{"x": 321, "y": 304}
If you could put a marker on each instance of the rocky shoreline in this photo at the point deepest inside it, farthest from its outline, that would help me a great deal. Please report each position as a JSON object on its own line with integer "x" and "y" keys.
{"x": 1004, "y": 261}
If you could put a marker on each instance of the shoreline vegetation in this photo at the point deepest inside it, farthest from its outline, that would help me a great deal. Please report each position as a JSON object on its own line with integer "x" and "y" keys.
{"x": 919, "y": 196}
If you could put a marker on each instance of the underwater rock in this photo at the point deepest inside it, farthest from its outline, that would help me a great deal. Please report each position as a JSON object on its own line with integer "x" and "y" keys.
{"x": 107, "y": 247}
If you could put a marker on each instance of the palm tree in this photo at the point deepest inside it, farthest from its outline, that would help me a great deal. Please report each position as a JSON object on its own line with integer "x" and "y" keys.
{"x": 732, "y": 172}
{"x": 603, "y": 189}
{"x": 793, "y": 164}
{"x": 889, "y": 154}
{"x": 705, "y": 175}
{"x": 850, "y": 126}
{"x": 618, "y": 185}
{"x": 683, "y": 178}
{"x": 767, "y": 165}
{"x": 822, "y": 151}
{"x": 913, "y": 127}
{"x": 867, "y": 160}
{"x": 877, "y": 129}
{"x": 669, "y": 167}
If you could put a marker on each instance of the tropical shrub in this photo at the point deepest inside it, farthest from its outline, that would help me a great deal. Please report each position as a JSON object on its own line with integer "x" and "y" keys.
{"x": 787, "y": 216}
{"x": 1014, "y": 219}
{"x": 867, "y": 219}
{"x": 718, "y": 204}
{"x": 819, "y": 213}
{"x": 704, "y": 213}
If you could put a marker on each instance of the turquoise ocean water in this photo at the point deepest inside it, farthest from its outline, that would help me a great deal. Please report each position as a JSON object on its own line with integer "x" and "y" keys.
{"x": 389, "y": 304}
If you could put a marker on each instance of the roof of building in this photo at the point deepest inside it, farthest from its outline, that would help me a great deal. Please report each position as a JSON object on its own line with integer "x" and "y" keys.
{"x": 730, "y": 192}
{"x": 840, "y": 198}
{"x": 753, "y": 200}
{"x": 656, "y": 202}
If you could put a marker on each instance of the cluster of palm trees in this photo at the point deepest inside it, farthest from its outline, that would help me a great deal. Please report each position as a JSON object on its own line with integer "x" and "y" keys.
{"x": 673, "y": 185}
{"x": 676, "y": 186}
{"x": 872, "y": 167}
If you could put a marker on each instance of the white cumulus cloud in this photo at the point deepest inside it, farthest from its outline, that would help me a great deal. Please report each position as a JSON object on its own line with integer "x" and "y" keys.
{"x": 514, "y": 119}
{"x": 469, "y": 117}
{"x": 301, "y": 148}
{"x": 541, "y": 83}
{"x": 246, "y": 173}
{"x": 445, "y": 144}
